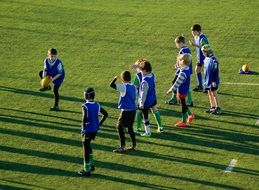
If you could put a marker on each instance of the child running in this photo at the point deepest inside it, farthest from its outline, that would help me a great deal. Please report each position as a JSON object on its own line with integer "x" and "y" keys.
{"x": 211, "y": 77}
{"x": 182, "y": 85}
{"x": 89, "y": 128}
{"x": 128, "y": 110}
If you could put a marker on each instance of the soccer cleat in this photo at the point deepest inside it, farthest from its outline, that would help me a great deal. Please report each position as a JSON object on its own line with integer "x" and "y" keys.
{"x": 171, "y": 101}
{"x": 137, "y": 131}
{"x": 198, "y": 89}
{"x": 120, "y": 150}
{"x": 45, "y": 89}
{"x": 145, "y": 135}
{"x": 180, "y": 124}
{"x": 209, "y": 110}
{"x": 92, "y": 168}
{"x": 54, "y": 108}
{"x": 84, "y": 173}
{"x": 189, "y": 104}
{"x": 217, "y": 111}
{"x": 160, "y": 130}
{"x": 190, "y": 118}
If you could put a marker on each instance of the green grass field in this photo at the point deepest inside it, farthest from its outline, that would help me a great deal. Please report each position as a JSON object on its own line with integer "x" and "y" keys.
{"x": 97, "y": 40}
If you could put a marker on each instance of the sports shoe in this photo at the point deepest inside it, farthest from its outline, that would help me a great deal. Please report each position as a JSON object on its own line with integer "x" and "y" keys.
{"x": 190, "y": 104}
{"x": 205, "y": 91}
{"x": 217, "y": 111}
{"x": 84, "y": 173}
{"x": 160, "y": 130}
{"x": 145, "y": 135}
{"x": 209, "y": 110}
{"x": 120, "y": 150}
{"x": 180, "y": 124}
{"x": 190, "y": 118}
{"x": 92, "y": 168}
{"x": 172, "y": 101}
{"x": 45, "y": 89}
{"x": 136, "y": 131}
{"x": 54, "y": 108}
{"x": 198, "y": 89}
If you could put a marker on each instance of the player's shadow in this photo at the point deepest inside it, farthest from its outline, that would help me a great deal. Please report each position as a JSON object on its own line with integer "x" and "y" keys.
{"x": 48, "y": 95}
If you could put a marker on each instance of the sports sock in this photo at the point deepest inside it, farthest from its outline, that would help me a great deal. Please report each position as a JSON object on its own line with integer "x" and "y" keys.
{"x": 87, "y": 166}
{"x": 91, "y": 156}
{"x": 184, "y": 117}
{"x": 174, "y": 95}
{"x": 158, "y": 119}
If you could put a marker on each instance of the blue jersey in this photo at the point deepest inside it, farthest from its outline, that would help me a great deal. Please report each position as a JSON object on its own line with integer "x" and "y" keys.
{"x": 91, "y": 116}
{"x": 185, "y": 86}
{"x": 127, "y": 99}
{"x": 52, "y": 69}
{"x": 201, "y": 41}
{"x": 211, "y": 71}
{"x": 186, "y": 50}
{"x": 151, "y": 91}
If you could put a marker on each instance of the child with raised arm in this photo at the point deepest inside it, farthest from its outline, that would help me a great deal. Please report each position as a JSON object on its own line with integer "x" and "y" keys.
{"x": 128, "y": 110}
{"x": 137, "y": 81}
{"x": 54, "y": 69}
{"x": 211, "y": 77}
{"x": 182, "y": 85}
{"x": 90, "y": 126}
{"x": 199, "y": 40}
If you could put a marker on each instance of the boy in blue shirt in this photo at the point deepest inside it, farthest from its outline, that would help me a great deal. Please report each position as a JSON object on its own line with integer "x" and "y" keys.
{"x": 90, "y": 126}
{"x": 182, "y": 85}
{"x": 54, "y": 69}
{"x": 183, "y": 48}
{"x": 211, "y": 77}
{"x": 128, "y": 109}
{"x": 199, "y": 40}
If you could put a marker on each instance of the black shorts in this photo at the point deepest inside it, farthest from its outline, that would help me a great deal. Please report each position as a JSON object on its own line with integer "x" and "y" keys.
{"x": 88, "y": 136}
{"x": 126, "y": 119}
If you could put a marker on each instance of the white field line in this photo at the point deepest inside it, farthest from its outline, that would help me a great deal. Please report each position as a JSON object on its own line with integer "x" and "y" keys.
{"x": 240, "y": 83}
{"x": 230, "y": 166}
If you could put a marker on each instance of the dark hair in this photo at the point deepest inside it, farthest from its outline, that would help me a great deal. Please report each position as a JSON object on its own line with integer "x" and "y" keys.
{"x": 196, "y": 27}
{"x": 89, "y": 93}
{"x": 145, "y": 65}
{"x": 180, "y": 39}
{"x": 125, "y": 75}
{"x": 53, "y": 51}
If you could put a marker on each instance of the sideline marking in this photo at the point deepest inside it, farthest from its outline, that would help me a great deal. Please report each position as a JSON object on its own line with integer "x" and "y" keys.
{"x": 240, "y": 83}
{"x": 257, "y": 122}
{"x": 231, "y": 165}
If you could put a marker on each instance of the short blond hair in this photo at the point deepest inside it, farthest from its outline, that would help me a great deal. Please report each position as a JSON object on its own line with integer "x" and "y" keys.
{"x": 186, "y": 57}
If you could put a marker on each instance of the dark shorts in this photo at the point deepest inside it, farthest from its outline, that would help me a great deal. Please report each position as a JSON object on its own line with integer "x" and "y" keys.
{"x": 88, "y": 136}
{"x": 199, "y": 64}
{"x": 126, "y": 119}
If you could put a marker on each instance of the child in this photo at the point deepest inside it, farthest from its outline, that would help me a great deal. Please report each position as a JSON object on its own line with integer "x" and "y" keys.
{"x": 180, "y": 44}
{"x": 199, "y": 40}
{"x": 128, "y": 109}
{"x": 182, "y": 85}
{"x": 89, "y": 128}
{"x": 211, "y": 77}
{"x": 54, "y": 69}
{"x": 155, "y": 111}
{"x": 147, "y": 95}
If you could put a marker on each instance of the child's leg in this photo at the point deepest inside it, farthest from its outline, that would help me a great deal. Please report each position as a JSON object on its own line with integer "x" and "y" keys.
{"x": 184, "y": 110}
{"x": 146, "y": 121}
{"x": 211, "y": 99}
{"x": 120, "y": 129}
{"x": 86, "y": 153}
{"x": 56, "y": 95}
{"x": 156, "y": 114}
{"x": 139, "y": 120}
{"x": 216, "y": 98}
{"x": 189, "y": 98}
{"x": 199, "y": 76}
{"x": 40, "y": 74}
{"x": 130, "y": 118}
